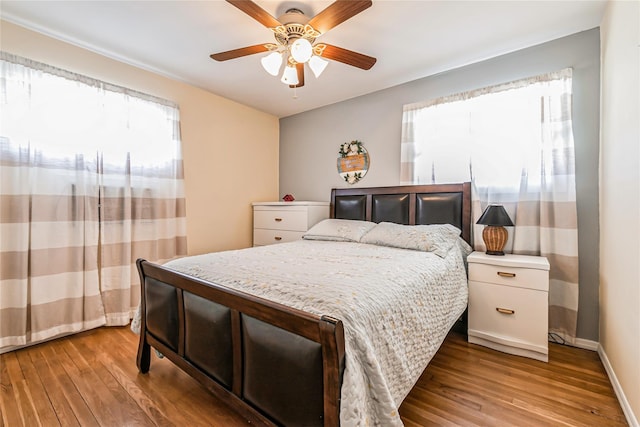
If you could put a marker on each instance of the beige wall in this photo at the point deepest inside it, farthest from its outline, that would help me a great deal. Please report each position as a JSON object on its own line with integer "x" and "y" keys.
{"x": 215, "y": 133}
{"x": 620, "y": 199}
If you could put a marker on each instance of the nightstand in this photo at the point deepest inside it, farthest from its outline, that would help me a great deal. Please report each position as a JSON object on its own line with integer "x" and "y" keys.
{"x": 509, "y": 303}
{"x": 279, "y": 222}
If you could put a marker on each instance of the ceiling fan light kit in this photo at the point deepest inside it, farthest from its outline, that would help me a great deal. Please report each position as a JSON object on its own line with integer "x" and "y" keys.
{"x": 317, "y": 65}
{"x": 290, "y": 76}
{"x": 272, "y": 63}
{"x": 301, "y": 50}
{"x": 295, "y": 36}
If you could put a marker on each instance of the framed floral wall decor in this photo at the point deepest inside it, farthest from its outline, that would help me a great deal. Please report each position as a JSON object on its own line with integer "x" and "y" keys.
{"x": 353, "y": 161}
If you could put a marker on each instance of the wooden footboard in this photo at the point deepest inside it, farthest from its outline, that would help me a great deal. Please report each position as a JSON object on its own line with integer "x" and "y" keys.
{"x": 274, "y": 364}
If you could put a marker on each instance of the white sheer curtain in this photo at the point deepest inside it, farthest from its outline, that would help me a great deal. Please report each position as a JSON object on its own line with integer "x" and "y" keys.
{"x": 91, "y": 179}
{"x": 515, "y": 143}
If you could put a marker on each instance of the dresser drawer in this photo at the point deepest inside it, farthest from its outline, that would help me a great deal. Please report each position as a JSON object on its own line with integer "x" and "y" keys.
{"x": 278, "y": 222}
{"x": 510, "y": 276}
{"x": 295, "y": 220}
{"x": 509, "y": 315}
{"x": 263, "y": 237}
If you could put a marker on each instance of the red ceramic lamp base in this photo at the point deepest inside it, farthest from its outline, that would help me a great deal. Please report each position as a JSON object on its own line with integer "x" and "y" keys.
{"x": 495, "y": 237}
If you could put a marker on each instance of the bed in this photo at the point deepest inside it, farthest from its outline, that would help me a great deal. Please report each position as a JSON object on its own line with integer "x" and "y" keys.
{"x": 247, "y": 326}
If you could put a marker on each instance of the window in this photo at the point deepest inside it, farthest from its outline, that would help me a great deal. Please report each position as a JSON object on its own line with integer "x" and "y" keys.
{"x": 91, "y": 180}
{"x": 493, "y": 136}
{"x": 514, "y": 142}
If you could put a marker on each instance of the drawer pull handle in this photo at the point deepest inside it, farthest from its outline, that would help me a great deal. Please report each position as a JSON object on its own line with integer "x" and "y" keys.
{"x": 503, "y": 274}
{"x": 278, "y": 238}
{"x": 278, "y": 219}
{"x": 505, "y": 310}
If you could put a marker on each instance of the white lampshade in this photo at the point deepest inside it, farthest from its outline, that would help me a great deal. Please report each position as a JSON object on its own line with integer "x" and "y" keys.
{"x": 272, "y": 62}
{"x": 317, "y": 65}
{"x": 301, "y": 50}
{"x": 290, "y": 76}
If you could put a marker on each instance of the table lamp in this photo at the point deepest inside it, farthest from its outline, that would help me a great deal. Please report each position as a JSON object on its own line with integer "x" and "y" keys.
{"x": 495, "y": 236}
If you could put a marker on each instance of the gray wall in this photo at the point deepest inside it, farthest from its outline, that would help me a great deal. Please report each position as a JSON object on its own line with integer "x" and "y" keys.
{"x": 309, "y": 141}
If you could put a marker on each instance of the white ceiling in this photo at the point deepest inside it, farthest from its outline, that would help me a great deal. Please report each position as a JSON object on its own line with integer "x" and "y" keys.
{"x": 410, "y": 38}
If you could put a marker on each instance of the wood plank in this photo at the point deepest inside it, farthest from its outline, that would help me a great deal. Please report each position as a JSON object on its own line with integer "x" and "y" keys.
{"x": 161, "y": 390}
{"x": 42, "y": 406}
{"x": 158, "y": 389}
{"x": 9, "y": 406}
{"x": 585, "y": 396}
{"x": 95, "y": 394}
{"x": 81, "y": 351}
{"x": 91, "y": 379}
{"x": 80, "y": 409}
{"x": 495, "y": 401}
{"x": 24, "y": 401}
{"x": 519, "y": 390}
{"x": 55, "y": 395}
{"x": 117, "y": 350}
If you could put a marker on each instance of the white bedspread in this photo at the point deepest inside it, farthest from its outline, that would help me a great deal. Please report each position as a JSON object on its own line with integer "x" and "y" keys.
{"x": 397, "y": 306}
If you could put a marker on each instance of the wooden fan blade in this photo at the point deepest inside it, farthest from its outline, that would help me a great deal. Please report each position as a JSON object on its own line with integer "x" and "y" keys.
{"x": 338, "y": 12}
{"x": 300, "y": 70}
{"x": 237, "y": 53}
{"x": 348, "y": 57}
{"x": 256, "y": 12}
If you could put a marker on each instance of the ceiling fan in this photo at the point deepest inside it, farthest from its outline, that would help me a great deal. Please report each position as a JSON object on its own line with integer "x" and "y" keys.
{"x": 295, "y": 35}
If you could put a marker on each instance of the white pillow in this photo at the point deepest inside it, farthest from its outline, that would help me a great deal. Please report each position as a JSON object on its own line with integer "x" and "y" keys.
{"x": 339, "y": 230}
{"x": 436, "y": 238}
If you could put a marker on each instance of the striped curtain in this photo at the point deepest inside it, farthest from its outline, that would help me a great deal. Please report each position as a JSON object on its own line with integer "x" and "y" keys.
{"x": 90, "y": 179}
{"x": 514, "y": 142}
{"x": 49, "y": 279}
{"x": 142, "y": 215}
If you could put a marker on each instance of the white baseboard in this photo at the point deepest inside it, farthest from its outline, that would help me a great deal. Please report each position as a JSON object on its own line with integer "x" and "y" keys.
{"x": 632, "y": 420}
{"x": 586, "y": 344}
{"x": 624, "y": 403}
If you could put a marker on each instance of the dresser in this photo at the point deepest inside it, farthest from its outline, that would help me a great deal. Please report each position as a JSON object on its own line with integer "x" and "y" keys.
{"x": 509, "y": 303}
{"x": 279, "y": 222}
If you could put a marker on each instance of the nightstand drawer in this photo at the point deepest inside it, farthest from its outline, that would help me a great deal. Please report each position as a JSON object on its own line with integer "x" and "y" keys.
{"x": 509, "y": 303}
{"x": 509, "y": 315}
{"x": 510, "y": 276}
{"x": 263, "y": 237}
{"x": 295, "y": 220}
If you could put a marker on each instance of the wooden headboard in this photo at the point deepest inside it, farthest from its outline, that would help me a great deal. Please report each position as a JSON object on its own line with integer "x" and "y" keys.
{"x": 407, "y": 204}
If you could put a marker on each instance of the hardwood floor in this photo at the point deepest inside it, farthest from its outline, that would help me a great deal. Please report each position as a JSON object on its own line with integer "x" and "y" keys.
{"x": 90, "y": 379}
